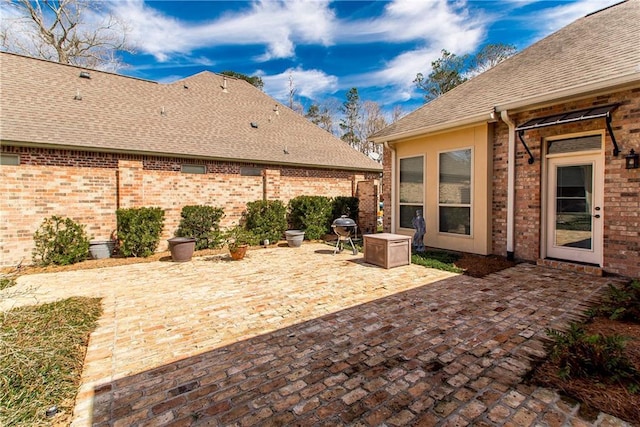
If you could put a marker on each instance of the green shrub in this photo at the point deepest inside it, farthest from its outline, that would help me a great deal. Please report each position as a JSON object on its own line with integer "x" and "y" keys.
{"x": 267, "y": 219}
{"x": 583, "y": 355}
{"x": 342, "y": 205}
{"x": 311, "y": 214}
{"x": 7, "y": 282}
{"x": 238, "y": 235}
{"x": 139, "y": 230}
{"x": 60, "y": 241}
{"x": 202, "y": 223}
{"x": 440, "y": 260}
{"x": 621, "y": 303}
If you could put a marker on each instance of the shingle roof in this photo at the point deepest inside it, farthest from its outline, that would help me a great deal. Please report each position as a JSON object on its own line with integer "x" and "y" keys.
{"x": 600, "y": 47}
{"x": 193, "y": 117}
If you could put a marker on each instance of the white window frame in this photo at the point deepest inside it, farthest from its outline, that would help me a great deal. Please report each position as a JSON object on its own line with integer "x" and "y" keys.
{"x": 457, "y": 205}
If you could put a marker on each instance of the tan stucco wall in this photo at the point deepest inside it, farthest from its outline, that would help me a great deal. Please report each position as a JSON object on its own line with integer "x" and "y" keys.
{"x": 478, "y": 138}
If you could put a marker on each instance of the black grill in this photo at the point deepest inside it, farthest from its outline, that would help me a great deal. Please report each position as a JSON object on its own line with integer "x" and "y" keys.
{"x": 344, "y": 227}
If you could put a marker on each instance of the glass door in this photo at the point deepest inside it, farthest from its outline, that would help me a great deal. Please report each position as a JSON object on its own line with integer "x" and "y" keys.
{"x": 574, "y": 209}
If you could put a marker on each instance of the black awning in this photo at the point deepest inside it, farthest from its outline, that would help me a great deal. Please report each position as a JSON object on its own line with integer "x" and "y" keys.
{"x": 569, "y": 117}
{"x": 602, "y": 111}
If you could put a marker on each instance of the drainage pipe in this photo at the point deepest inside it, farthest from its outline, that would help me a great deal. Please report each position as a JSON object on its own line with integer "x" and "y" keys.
{"x": 392, "y": 208}
{"x": 511, "y": 178}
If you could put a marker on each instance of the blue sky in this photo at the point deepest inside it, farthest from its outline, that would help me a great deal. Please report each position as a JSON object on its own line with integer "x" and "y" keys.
{"x": 327, "y": 47}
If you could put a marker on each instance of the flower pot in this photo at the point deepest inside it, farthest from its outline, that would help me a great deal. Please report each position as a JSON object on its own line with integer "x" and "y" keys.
{"x": 294, "y": 238}
{"x": 238, "y": 252}
{"x": 181, "y": 248}
{"x": 100, "y": 249}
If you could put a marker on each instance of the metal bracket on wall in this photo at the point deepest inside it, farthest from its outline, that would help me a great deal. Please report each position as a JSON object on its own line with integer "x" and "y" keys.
{"x": 616, "y": 150}
{"x": 520, "y": 135}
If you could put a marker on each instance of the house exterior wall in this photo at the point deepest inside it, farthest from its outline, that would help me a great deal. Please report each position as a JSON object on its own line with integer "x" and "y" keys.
{"x": 621, "y": 210}
{"x": 89, "y": 187}
{"x": 477, "y": 138}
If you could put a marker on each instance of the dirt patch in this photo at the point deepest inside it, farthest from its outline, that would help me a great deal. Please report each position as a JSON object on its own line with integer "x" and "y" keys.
{"x": 599, "y": 395}
{"x": 480, "y": 266}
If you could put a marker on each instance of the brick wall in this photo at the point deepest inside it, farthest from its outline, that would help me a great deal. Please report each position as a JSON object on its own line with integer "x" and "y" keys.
{"x": 89, "y": 187}
{"x": 621, "y": 188}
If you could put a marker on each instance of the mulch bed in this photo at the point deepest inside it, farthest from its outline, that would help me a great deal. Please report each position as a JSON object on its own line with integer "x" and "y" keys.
{"x": 599, "y": 395}
{"x": 480, "y": 266}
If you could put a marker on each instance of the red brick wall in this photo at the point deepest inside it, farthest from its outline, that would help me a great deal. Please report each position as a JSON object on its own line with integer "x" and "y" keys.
{"x": 622, "y": 187}
{"x": 89, "y": 187}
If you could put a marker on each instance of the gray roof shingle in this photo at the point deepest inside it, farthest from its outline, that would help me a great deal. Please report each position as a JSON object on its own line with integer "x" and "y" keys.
{"x": 600, "y": 47}
{"x": 193, "y": 117}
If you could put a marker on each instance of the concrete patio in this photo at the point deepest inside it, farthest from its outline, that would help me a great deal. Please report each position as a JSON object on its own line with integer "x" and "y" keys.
{"x": 304, "y": 337}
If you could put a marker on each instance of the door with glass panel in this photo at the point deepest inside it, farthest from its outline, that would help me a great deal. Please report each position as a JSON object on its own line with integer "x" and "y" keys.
{"x": 574, "y": 208}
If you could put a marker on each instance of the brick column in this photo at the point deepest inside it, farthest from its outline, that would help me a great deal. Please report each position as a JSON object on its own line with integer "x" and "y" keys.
{"x": 367, "y": 194}
{"x": 271, "y": 184}
{"x": 130, "y": 184}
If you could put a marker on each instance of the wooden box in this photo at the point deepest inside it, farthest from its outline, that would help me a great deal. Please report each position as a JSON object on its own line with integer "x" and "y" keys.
{"x": 387, "y": 250}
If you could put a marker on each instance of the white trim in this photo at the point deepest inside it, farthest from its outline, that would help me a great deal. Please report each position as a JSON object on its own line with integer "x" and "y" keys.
{"x": 511, "y": 179}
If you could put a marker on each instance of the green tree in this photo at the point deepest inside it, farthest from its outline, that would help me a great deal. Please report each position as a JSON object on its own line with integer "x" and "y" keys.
{"x": 446, "y": 73}
{"x": 254, "y": 80}
{"x": 321, "y": 116}
{"x": 351, "y": 120}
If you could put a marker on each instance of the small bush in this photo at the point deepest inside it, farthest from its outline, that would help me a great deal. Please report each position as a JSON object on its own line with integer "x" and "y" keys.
{"x": 621, "y": 303}
{"x": 202, "y": 223}
{"x": 311, "y": 214}
{"x": 60, "y": 241}
{"x": 581, "y": 355}
{"x": 342, "y": 205}
{"x": 7, "y": 282}
{"x": 139, "y": 230}
{"x": 267, "y": 219}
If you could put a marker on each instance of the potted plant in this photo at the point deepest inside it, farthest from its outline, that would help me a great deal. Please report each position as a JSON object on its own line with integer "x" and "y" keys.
{"x": 238, "y": 239}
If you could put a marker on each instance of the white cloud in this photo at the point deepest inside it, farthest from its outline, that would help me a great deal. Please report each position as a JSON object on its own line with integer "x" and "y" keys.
{"x": 557, "y": 17}
{"x": 278, "y": 25}
{"x": 307, "y": 83}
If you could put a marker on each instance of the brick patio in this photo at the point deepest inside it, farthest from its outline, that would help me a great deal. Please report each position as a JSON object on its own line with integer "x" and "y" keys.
{"x": 303, "y": 337}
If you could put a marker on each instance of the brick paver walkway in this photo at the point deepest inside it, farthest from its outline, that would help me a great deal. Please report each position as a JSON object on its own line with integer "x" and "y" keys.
{"x": 302, "y": 337}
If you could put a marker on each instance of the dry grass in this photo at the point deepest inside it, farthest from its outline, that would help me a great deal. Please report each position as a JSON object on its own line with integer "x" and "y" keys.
{"x": 42, "y": 351}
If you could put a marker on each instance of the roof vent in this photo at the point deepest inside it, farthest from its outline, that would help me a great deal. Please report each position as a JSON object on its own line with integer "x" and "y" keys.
{"x": 85, "y": 74}
{"x": 224, "y": 84}
{"x": 276, "y": 110}
{"x": 254, "y": 125}
{"x": 78, "y": 96}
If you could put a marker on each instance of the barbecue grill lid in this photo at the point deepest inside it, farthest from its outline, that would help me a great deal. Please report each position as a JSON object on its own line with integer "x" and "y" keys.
{"x": 344, "y": 221}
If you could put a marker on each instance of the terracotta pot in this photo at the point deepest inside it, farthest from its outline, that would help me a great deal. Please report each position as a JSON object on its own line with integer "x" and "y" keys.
{"x": 239, "y": 252}
{"x": 182, "y": 248}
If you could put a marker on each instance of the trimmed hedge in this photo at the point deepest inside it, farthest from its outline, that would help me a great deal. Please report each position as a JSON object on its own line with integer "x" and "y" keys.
{"x": 139, "y": 230}
{"x": 267, "y": 219}
{"x": 60, "y": 241}
{"x": 202, "y": 223}
{"x": 311, "y": 214}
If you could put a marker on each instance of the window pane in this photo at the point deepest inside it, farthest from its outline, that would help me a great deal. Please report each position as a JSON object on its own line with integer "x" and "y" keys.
{"x": 455, "y": 177}
{"x": 411, "y": 180}
{"x": 194, "y": 169}
{"x": 584, "y": 143}
{"x": 407, "y": 212}
{"x": 455, "y": 220}
{"x": 10, "y": 159}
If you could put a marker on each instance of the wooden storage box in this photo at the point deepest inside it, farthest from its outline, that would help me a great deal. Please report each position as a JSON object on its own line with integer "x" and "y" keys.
{"x": 387, "y": 250}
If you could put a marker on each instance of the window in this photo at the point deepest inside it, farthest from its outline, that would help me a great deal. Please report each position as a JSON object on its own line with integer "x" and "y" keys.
{"x": 200, "y": 169}
{"x": 10, "y": 160}
{"x": 411, "y": 189}
{"x": 454, "y": 192}
{"x": 250, "y": 171}
{"x": 570, "y": 145}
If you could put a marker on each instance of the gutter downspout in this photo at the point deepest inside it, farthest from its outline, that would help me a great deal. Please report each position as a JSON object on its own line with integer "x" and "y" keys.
{"x": 392, "y": 208}
{"x": 511, "y": 178}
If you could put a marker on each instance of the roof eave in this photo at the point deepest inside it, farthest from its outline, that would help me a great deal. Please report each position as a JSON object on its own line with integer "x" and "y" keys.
{"x": 629, "y": 79}
{"x": 466, "y": 121}
{"x": 184, "y": 156}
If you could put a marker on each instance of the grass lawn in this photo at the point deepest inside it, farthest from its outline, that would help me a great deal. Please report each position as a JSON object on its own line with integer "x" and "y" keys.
{"x": 42, "y": 350}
